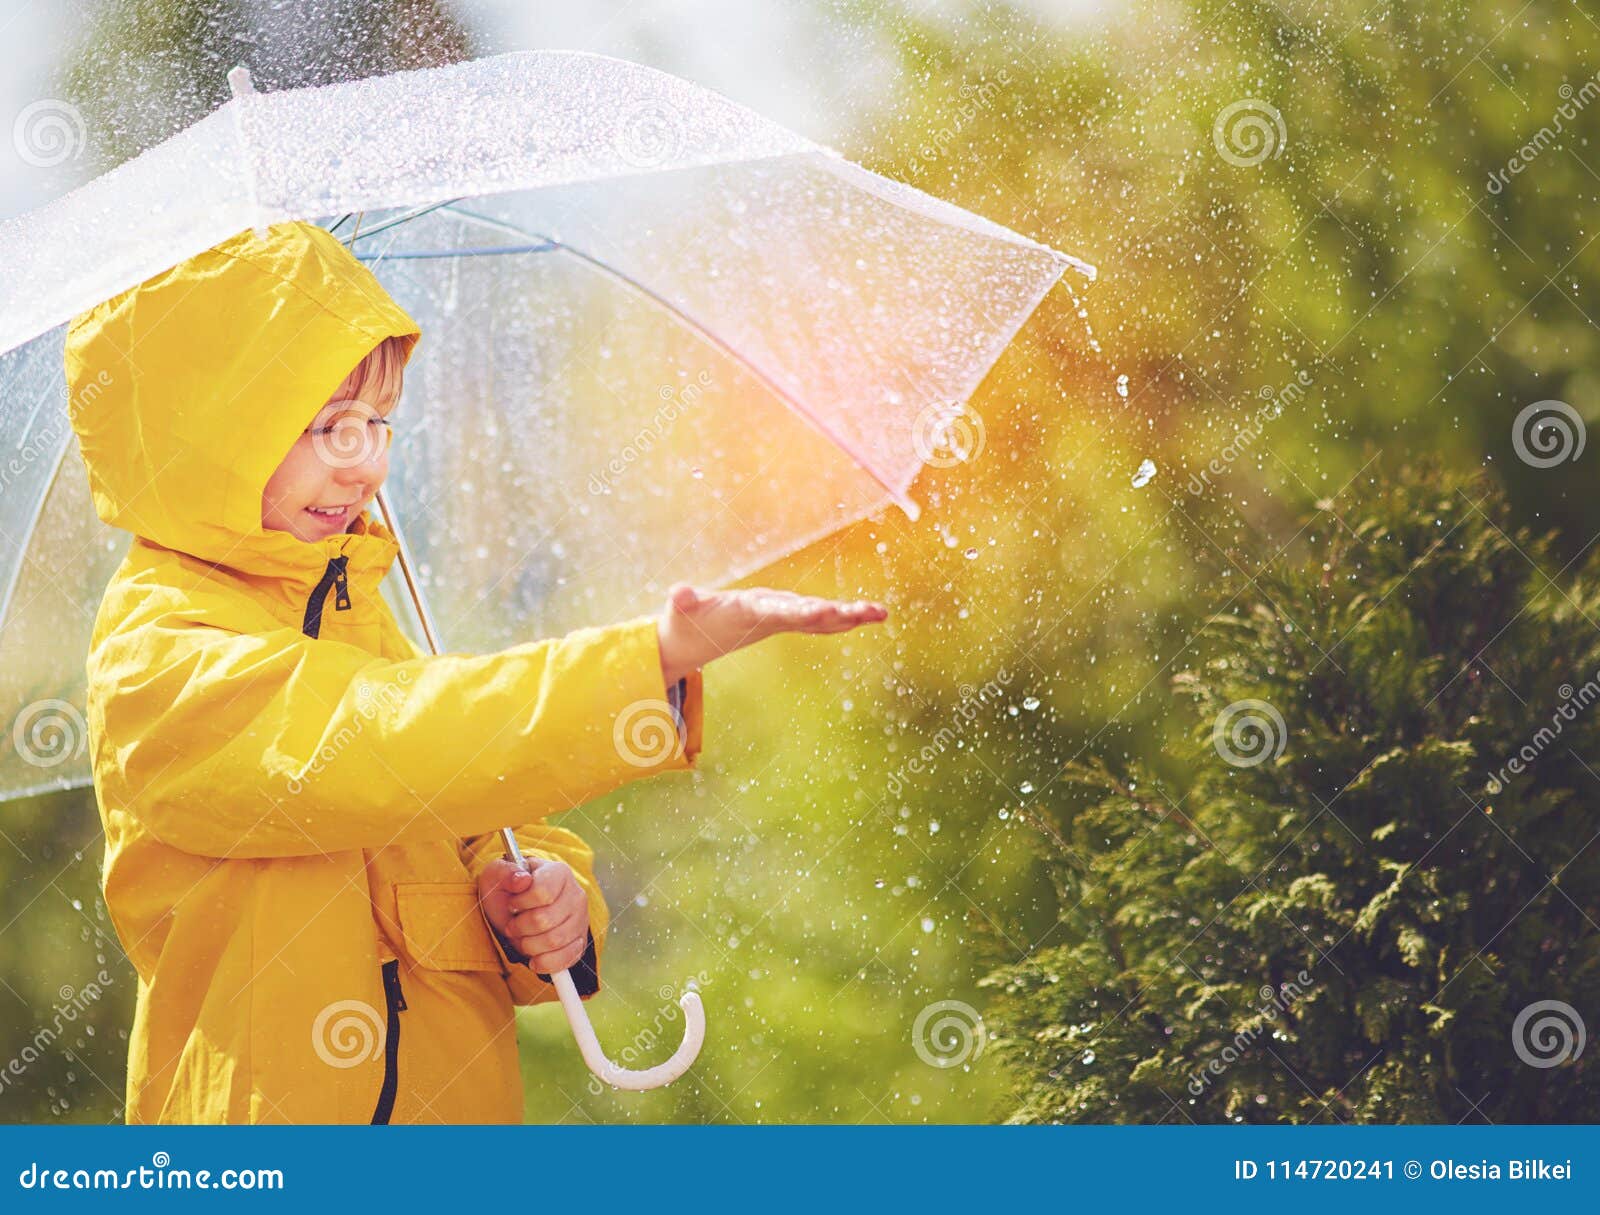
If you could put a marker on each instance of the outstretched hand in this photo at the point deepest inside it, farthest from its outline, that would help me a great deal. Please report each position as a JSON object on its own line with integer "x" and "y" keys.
{"x": 697, "y": 626}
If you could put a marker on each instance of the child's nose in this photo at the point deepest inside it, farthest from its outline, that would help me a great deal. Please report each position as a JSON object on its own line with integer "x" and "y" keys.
{"x": 370, "y": 467}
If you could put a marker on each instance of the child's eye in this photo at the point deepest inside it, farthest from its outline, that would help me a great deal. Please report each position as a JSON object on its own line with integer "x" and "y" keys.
{"x": 332, "y": 426}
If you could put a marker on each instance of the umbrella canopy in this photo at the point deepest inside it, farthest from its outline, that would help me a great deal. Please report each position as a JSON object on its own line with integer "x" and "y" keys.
{"x": 663, "y": 339}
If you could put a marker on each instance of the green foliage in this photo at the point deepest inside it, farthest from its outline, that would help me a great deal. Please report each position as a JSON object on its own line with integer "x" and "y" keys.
{"x": 1347, "y": 828}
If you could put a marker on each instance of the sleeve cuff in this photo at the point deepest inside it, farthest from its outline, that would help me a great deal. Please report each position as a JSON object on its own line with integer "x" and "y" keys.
{"x": 585, "y": 971}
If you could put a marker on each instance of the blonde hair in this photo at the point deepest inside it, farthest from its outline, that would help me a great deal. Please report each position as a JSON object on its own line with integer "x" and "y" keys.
{"x": 378, "y": 376}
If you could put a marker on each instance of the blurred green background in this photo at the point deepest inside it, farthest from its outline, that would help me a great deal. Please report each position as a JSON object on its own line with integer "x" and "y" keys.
{"x": 1286, "y": 306}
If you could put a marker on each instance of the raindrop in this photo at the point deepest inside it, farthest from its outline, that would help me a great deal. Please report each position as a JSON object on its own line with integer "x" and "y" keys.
{"x": 1030, "y": 703}
{"x": 1122, "y": 386}
{"x": 1146, "y": 473}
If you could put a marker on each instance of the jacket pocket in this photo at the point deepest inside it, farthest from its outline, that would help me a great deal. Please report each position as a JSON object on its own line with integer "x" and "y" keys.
{"x": 444, "y": 927}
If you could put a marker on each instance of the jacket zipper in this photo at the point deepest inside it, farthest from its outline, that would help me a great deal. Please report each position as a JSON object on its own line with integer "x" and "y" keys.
{"x": 334, "y": 579}
{"x": 395, "y": 1000}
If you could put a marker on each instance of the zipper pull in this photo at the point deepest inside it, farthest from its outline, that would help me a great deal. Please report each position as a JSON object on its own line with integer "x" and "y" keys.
{"x": 341, "y": 586}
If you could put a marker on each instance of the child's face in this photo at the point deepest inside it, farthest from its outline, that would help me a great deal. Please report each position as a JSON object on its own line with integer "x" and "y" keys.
{"x": 332, "y": 471}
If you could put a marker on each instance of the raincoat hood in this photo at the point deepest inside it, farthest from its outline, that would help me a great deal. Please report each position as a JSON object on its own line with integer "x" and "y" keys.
{"x": 187, "y": 390}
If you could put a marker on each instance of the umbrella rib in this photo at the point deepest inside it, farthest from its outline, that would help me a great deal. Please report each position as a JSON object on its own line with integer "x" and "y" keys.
{"x": 389, "y": 223}
{"x": 27, "y": 533}
{"x": 899, "y": 497}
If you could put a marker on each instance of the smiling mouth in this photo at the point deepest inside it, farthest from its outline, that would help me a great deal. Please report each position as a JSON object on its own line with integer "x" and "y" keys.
{"x": 329, "y": 513}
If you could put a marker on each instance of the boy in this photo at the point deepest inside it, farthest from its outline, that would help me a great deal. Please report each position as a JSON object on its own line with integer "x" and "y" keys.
{"x": 301, "y": 808}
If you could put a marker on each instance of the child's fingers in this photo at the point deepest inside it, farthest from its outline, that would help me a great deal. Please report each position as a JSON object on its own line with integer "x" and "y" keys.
{"x": 544, "y": 919}
{"x": 550, "y": 879}
{"x": 565, "y": 959}
{"x": 575, "y": 928}
{"x": 831, "y": 616}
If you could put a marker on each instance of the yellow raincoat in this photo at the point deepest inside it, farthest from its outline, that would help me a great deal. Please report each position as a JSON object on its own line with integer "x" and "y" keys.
{"x": 296, "y": 799}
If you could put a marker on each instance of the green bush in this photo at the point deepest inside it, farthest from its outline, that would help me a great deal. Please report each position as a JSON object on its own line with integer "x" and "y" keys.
{"x": 1380, "y": 849}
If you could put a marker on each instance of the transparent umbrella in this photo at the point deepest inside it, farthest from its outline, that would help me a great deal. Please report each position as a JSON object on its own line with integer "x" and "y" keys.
{"x": 663, "y": 339}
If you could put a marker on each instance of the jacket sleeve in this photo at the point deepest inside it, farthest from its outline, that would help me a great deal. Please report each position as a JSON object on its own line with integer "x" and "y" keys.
{"x": 529, "y": 986}
{"x": 268, "y": 744}
{"x": 553, "y": 844}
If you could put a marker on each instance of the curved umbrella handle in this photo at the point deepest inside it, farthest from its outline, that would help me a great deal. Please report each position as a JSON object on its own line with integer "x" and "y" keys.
{"x": 694, "y": 1023}
{"x": 694, "y": 1035}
